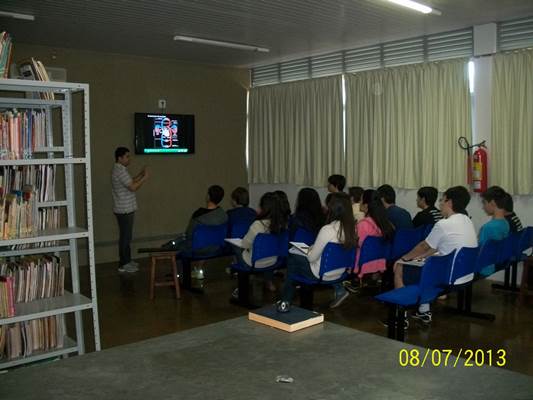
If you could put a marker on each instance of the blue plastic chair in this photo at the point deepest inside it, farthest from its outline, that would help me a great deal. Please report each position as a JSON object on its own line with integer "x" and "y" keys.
{"x": 464, "y": 264}
{"x": 334, "y": 257}
{"x": 207, "y": 243}
{"x": 265, "y": 245}
{"x": 404, "y": 241}
{"x": 304, "y": 236}
{"x": 374, "y": 248}
{"x": 525, "y": 242}
{"x": 238, "y": 230}
{"x": 433, "y": 280}
{"x": 426, "y": 231}
{"x": 489, "y": 254}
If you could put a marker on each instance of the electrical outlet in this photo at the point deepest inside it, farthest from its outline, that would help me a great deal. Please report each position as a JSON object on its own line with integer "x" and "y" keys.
{"x": 162, "y": 103}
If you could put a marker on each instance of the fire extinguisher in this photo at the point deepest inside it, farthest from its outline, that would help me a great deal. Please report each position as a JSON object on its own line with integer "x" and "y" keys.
{"x": 477, "y": 165}
{"x": 479, "y": 170}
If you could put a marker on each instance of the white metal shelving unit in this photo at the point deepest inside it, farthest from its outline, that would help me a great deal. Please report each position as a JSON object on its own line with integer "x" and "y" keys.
{"x": 71, "y": 302}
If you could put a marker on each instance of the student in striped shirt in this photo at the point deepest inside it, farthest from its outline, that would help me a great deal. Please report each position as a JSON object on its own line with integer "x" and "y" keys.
{"x": 515, "y": 224}
{"x": 425, "y": 199}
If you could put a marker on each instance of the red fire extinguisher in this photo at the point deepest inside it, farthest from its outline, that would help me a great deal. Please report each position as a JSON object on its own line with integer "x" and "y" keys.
{"x": 479, "y": 170}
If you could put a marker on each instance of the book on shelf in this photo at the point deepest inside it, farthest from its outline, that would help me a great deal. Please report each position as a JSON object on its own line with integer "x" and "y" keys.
{"x": 21, "y": 131}
{"x": 31, "y": 278}
{"x": 7, "y": 297}
{"x": 33, "y": 69}
{"x": 22, "y": 339}
{"x": 21, "y": 189}
{"x": 6, "y": 52}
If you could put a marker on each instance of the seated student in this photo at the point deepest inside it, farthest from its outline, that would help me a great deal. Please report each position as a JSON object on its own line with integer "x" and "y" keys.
{"x": 340, "y": 228}
{"x": 400, "y": 218}
{"x": 515, "y": 225}
{"x": 375, "y": 223}
{"x": 336, "y": 183}
{"x": 273, "y": 219}
{"x": 497, "y": 228}
{"x": 284, "y": 202}
{"x": 355, "y": 193}
{"x": 325, "y": 208}
{"x": 240, "y": 213}
{"x": 425, "y": 199}
{"x": 212, "y": 214}
{"x": 308, "y": 214}
{"x": 453, "y": 232}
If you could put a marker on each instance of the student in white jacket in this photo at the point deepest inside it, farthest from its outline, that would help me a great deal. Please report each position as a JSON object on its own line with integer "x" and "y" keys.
{"x": 340, "y": 228}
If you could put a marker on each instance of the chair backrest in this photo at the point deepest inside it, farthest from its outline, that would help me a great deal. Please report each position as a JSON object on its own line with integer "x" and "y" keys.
{"x": 426, "y": 229}
{"x": 335, "y": 256}
{"x": 374, "y": 248}
{"x": 304, "y": 236}
{"x": 268, "y": 245}
{"x": 239, "y": 229}
{"x": 208, "y": 236}
{"x": 464, "y": 263}
{"x": 526, "y": 240}
{"x": 434, "y": 277}
{"x": 508, "y": 248}
{"x": 489, "y": 254}
{"x": 405, "y": 240}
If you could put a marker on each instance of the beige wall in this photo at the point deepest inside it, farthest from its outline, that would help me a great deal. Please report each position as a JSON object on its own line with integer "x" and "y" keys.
{"x": 121, "y": 85}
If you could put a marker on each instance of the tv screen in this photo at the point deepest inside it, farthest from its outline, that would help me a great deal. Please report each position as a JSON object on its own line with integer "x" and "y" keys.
{"x": 164, "y": 133}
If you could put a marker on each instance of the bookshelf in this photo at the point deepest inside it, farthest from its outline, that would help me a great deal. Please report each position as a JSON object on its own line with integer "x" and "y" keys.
{"x": 61, "y": 241}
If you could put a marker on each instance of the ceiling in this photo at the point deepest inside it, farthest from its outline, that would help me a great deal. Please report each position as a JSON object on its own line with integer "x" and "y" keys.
{"x": 290, "y": 28}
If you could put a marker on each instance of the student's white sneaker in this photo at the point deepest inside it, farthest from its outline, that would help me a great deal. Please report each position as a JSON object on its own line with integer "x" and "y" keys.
{"x": 134, "y": 263}
{"x": 128, "y": 268}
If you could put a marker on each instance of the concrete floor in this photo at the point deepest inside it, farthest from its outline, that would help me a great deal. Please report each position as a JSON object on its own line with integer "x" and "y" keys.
{"x": 240, "y": 359}
{"x": 128, "y": 316}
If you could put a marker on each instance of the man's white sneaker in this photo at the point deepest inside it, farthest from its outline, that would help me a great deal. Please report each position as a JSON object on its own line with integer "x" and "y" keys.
{"x": 128, "y": 268}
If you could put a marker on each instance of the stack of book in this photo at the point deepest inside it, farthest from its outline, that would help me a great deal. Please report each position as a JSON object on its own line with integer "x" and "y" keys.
{"x": 6, "y": 48}
{"x": 22, "y": 339}
{"x": 34, "y": 278}
{"x": 21, "y": 132}
{"x": 18, "y": 213}
{"x": 23, "y": 280}
{"x": 35, "y": 70}
{"x": 21, "y": 189}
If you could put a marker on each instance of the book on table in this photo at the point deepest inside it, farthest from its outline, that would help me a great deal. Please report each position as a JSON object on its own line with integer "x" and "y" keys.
{"x": 295, "y": 319}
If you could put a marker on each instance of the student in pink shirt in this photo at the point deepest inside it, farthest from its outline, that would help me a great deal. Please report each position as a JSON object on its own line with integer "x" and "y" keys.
{"x": 375, "y": 223}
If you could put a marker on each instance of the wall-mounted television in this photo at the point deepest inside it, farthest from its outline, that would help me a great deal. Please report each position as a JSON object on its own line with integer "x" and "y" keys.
{"x": 161, "y": 133}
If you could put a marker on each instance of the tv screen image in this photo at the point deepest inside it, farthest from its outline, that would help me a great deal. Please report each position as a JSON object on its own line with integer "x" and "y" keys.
{"x": 164, "y": 133}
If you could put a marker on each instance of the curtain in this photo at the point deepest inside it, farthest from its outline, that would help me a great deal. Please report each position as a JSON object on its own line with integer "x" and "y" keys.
{"x": 295, "y": 132}
{"x": 511, "y": 146}
{"x": 403, "y": 124}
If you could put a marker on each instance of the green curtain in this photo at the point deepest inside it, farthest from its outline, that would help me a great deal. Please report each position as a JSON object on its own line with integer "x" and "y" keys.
{"x": 403, "y": 123}
{"x": 295, "y": 132}
{"x": 511, "y": 146}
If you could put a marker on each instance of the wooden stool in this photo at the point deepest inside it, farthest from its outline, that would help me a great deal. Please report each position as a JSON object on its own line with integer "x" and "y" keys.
{"x": 164, "y": 255}
{"x": 525, "y": 290}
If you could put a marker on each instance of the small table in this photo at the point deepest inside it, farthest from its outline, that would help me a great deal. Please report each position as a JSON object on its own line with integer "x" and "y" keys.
{"x": 240, "y": 360}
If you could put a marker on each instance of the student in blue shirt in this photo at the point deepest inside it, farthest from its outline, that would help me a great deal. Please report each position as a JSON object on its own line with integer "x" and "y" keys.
{"x": 494, "y": 201}
{"x": 399, "y": 217}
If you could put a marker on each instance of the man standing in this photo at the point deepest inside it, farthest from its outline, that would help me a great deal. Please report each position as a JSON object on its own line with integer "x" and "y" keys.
{"x": 123, "y": 188}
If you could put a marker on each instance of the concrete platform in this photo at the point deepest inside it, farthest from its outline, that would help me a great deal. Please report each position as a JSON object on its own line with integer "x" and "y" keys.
{"x": 240, "y": 359}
